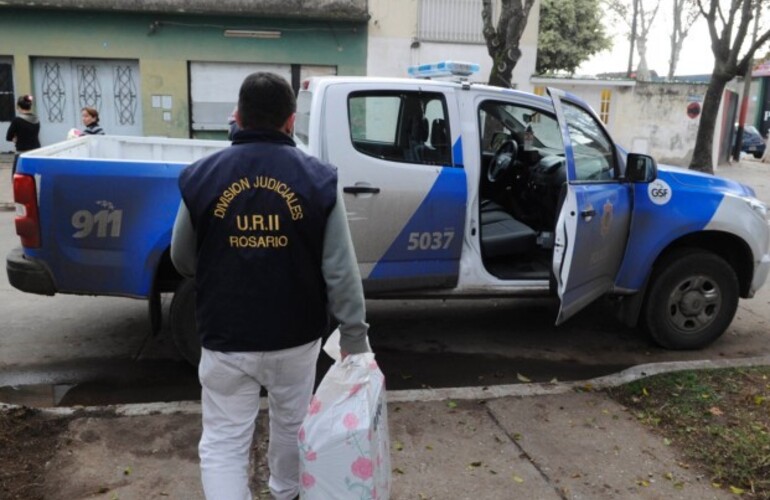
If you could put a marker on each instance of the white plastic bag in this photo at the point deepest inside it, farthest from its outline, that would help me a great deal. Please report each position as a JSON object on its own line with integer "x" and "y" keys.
{"x": 343, "y": 441}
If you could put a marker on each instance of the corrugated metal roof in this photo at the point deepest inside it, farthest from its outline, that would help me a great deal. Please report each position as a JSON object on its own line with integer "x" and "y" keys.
{"x": 341, "y": 10}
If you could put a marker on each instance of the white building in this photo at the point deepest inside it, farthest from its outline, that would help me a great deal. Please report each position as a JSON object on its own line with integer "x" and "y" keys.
{"x": 403, "y": 33}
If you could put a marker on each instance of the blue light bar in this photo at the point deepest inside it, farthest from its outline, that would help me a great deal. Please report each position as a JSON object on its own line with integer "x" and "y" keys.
{"x": 443, "y": 68}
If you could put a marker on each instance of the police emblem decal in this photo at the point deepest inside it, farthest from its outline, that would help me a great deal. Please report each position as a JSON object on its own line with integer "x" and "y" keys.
{"x": 607, "y": 210}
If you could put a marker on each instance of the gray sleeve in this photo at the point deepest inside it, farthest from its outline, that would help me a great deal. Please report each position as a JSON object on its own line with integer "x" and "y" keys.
{"x": 183, "y": 254}
{"x": 343, "y": 282}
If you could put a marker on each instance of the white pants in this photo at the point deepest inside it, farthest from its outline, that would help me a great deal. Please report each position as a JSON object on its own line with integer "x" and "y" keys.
{"x": 231, "y": 383}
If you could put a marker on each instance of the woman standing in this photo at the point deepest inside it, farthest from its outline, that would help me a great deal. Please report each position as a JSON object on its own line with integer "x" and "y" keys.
{"x": 24, "y": 128}
{"x": 90, "y": 117}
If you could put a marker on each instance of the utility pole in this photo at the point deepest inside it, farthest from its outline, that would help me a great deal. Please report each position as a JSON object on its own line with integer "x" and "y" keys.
{"x": 633, "y": 39}
{"x": 745, "y": 97}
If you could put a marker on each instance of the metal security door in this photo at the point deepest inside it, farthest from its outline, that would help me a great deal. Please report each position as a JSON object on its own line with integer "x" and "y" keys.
{"x": 64, "y": 86}
{"x": 7, "y": 102}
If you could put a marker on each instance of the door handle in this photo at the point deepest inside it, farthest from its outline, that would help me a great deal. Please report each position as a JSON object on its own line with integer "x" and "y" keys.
{"x": 588, "y": 213}
{"x": 360, "y": 189}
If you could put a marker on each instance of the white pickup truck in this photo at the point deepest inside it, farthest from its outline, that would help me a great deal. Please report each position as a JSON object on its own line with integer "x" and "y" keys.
{"x": 452, "y": 189}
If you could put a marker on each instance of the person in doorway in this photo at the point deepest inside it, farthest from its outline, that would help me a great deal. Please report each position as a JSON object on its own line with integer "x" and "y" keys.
{"x": 24, "y": 129}
{"x": 90, "y": 117}
{"x": 262, "y": 229}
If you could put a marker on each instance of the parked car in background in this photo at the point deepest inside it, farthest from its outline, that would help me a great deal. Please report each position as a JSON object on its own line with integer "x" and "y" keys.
{"x": 753, "y": 143}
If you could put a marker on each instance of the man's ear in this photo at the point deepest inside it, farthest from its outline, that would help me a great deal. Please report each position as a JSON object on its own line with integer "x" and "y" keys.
{"x": 237, "y": 117}
{"x": 288, "y": 126}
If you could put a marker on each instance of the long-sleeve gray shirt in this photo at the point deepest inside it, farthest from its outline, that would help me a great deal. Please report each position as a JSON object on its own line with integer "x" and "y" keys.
{"x": 339, "y": 269}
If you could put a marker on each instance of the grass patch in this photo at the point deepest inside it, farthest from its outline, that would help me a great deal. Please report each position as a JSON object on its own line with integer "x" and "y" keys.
{"x": 719, "y": 420}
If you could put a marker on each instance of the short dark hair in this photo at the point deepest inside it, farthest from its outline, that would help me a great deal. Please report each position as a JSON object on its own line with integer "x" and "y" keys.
{"x": 265, "y": 101}
{"x": 24, "y": 102}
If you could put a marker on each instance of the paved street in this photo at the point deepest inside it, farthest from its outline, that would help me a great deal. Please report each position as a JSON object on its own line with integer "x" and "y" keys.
{"x": 102, "y": 345}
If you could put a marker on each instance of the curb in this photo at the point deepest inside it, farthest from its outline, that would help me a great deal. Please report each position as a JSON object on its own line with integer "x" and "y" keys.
{"x": 454, "y": 393}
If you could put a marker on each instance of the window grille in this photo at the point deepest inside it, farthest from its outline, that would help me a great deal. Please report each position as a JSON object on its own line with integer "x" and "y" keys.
{"x": 453, "y": 20}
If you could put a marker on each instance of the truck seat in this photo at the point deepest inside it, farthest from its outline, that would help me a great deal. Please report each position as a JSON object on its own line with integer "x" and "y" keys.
{"x": 502, "y": 235}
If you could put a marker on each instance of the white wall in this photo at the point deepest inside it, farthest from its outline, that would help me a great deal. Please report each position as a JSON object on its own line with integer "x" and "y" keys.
{"x": 393, "y": 44}
{"x": 648, "y": 118}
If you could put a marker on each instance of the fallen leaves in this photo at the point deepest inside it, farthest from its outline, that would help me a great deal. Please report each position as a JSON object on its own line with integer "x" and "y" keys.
{"x": 714, "y": 410}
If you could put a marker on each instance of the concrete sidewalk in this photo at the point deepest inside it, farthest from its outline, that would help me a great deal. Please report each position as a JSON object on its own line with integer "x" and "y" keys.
{"x": 529, "y": 441}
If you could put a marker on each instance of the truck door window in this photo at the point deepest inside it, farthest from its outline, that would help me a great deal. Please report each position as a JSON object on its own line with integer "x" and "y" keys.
{"x": 409, "y": 127}
{"x": 593, "y": 150}
{"x": 512, "y": 121}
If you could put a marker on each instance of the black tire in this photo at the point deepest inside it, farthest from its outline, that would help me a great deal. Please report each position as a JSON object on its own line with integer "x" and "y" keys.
{"x": 183, "y": 327}
{"x": 692, "y": 298}
{"x": 757, "y": 155}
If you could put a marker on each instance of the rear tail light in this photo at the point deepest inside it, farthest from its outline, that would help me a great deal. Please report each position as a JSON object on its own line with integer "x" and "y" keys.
{"x": 27, "y": 216}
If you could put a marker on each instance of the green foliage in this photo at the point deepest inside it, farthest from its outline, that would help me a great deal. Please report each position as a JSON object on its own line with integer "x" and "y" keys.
{"x": 719, "y": 419}
{"x": 571, "y": 31}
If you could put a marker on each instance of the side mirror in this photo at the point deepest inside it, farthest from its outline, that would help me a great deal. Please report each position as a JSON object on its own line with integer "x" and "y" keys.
{"x": 641, "y": 168}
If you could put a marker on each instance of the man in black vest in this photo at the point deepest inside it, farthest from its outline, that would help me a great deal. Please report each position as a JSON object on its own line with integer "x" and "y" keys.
{"x": 262, "y": 228}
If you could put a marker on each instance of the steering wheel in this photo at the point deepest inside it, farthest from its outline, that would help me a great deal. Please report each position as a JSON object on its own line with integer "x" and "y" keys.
{"x": 502, "y": 160}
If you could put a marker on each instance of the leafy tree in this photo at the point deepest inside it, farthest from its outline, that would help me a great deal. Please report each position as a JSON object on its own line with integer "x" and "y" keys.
{"x": 571, "y": 31}
{"x": 639, "y": 17}
{"x": 685, "y": 14}
{"x": 503, "y": 41}
{"x": 727, "y": 29}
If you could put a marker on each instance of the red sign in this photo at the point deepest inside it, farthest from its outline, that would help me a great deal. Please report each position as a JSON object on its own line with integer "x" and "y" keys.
{"x": 693, "y": 109}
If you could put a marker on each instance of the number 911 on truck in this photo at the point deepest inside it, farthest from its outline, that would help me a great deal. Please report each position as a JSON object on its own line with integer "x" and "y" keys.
{"x": 452, "y": 189}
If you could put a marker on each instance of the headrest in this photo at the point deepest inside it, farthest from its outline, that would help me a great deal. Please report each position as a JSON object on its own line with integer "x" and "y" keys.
{"x": 438, "y": 133}
{"x": 419, "y": 129}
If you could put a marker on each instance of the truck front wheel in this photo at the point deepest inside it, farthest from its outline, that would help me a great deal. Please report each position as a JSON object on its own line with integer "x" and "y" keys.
{"x": 183, "y": 329}
{"x": 691, "y": 300}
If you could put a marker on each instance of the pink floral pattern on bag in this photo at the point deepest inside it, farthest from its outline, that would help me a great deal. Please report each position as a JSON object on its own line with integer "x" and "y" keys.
{"x": 315, "y": 406}
{"x": 362, "y": 468}
{"x": 307, "y": 480}
{"x": 350, "y": 421}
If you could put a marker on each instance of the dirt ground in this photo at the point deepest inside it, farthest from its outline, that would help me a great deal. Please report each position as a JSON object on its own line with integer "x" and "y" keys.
{"x": 28, "y": 440}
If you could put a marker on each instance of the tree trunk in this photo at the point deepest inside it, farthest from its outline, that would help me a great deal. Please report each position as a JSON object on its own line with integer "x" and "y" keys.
{"x": 642, "y": 71}
{"x": 702, "y": 158}
{"x": 502, "y": 69}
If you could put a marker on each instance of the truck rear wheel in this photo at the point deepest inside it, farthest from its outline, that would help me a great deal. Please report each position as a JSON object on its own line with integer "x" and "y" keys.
{"x": 691, "y": 300}
{"x": 183, "y": 329}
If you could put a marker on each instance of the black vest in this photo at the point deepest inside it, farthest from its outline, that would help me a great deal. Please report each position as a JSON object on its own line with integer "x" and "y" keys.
{"x": 259, "y": 209}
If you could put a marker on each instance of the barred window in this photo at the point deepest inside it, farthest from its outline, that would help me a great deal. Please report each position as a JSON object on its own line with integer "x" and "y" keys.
{"x": 453, "y": 20}
{"x": 604, "y": 109}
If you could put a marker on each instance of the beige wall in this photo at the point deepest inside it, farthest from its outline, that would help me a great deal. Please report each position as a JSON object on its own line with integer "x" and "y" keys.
{"x": 393, "y": 31}
{"x": 165, "y": 78}
{"x": 652, "y": 118}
